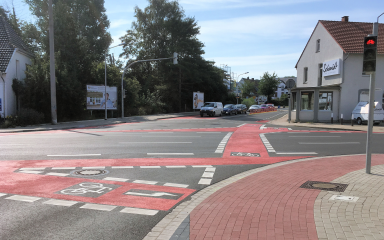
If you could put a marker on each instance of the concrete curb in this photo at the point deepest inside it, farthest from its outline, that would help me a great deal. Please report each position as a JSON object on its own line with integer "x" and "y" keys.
{"x": 93, "y": 123}
{"x": 165, "y": 229}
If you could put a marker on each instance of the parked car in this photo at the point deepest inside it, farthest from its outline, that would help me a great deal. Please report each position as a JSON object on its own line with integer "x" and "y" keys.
{"x": 253, "y": 107}
{"x": 241, "y": 108}
{"x": 229, "y": 109}
{"x": 263, "y": 106}
{"x": 211, "y": 109}
{"x": 270, "y": 105}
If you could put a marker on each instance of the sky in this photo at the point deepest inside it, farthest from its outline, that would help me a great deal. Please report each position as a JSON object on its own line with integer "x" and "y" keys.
{"x": 254, "y": 36}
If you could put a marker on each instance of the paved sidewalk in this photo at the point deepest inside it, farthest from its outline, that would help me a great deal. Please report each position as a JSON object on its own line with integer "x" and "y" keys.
{"x": 283, "y": 121}
{"x": 95, "y": 122}
{"x": 269, "y": 203}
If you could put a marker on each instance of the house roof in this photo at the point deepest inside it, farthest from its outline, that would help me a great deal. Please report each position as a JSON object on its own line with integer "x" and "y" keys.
{"x": 9, "y": 41}
{"x": 350, "y": 35}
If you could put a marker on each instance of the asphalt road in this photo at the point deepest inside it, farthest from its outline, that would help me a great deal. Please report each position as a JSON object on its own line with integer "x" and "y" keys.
{"x": 118, "y": 182}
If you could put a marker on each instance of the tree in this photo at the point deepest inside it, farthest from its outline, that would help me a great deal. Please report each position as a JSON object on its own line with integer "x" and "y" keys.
{"x": 81, "y": 39}
{"x": 248, "y": 88}
{"x": 159, "y": 30}
{"x": 268, "y": 85}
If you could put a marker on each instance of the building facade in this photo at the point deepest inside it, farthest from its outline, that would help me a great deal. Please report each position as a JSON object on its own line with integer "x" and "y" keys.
{"x": 14, "y": 58}
{"x": 330, "y": 81}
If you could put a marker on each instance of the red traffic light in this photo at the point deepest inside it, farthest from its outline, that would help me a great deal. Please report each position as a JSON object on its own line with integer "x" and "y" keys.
{"x": 370, "y": 42}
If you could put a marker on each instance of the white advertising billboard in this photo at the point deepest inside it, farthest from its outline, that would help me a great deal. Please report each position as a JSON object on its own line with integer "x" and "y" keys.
{"x": 96, "y": 97}
{"x": 198, "y": 100}
{"x": 332, "y": 67}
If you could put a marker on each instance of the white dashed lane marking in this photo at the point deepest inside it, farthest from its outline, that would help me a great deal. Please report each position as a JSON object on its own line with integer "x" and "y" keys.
{"x": 98, "y": 207}
{"x": 23, "y": 198}
{"x": 57, "y": 202}
{"x": 223, "y": 143}
{"x": 207, "y": 176}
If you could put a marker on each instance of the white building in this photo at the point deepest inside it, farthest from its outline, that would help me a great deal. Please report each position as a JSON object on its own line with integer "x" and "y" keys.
{"x": 14, "y": 58}
{"x": 281, "y": 87}
{"x": 329, "y": 71}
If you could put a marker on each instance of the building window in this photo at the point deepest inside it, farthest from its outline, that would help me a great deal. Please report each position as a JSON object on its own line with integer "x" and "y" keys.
{"x": 294, "y": 101}
{"x": 307, "y": 100}
{"x": 325, "y": 101}
{"x": 320, "y": 78}
{"x": 318, "y": 45}
{"x": 305, "y": 75}
{"x": 364, "y": 96}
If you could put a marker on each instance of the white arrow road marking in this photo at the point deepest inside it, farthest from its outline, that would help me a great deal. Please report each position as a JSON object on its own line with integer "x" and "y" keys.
{"x": 158, "y": 194}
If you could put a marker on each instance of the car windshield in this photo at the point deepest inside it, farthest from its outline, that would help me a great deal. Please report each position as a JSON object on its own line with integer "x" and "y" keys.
{"x": 238, "y": 105}
{"x": 228, "y": 106}
{"x": 208, "y": 104}
{"x": 263, "y": 105}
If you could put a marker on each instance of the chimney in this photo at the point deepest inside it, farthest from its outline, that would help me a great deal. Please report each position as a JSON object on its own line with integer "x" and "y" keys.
{"x": 345, "y": 19}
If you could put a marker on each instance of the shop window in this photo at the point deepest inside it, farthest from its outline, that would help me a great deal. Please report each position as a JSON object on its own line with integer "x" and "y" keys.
{"x": 307, "y": 100}
{"x": 305, "y": 75}
{"x": 325, "y": 101}
{"x": 294, "y": 101}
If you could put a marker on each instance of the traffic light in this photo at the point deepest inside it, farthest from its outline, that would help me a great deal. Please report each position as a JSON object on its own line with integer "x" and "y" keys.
{"x": 175, "y": 58}
{"x": 369, "y": 57}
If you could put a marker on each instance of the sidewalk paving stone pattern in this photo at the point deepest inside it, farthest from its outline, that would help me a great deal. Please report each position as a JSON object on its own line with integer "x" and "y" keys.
{"x": 269, "y": 203}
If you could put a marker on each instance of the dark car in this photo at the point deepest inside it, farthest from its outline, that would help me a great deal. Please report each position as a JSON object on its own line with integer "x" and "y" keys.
{"x": 229, "y": 109}
{"x": 241, "y": 108}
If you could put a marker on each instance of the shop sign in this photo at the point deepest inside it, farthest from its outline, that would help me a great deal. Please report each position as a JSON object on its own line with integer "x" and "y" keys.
{"x": 332, "y": 67}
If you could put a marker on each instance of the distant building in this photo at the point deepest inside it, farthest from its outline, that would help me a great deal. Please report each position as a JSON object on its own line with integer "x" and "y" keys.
{"x": 329, "y": 71}
{"x": 281, "y": 87}
{"x": 14, "y": 58}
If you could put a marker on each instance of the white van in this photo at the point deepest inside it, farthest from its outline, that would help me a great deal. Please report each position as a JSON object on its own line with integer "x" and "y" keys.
{"x": 360, "y": 113}
{"x": 211, "y": 109}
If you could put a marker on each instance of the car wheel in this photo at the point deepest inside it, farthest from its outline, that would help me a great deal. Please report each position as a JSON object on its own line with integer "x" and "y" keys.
{"x": 359, "y": 121}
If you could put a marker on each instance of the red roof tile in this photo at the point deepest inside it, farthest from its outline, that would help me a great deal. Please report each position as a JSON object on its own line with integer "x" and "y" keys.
{"x": 350, "y": 35}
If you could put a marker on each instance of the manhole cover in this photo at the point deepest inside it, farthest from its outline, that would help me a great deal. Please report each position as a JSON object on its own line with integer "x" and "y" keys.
{"x": 337, "y": 187}
{"x": 89, "y": 172}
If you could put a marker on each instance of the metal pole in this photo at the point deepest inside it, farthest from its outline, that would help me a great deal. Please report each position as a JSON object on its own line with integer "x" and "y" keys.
{"x": 52, "y": 65}
{"x": 105, "y": 87}
{"x": 370, "y": 122}
{"x": 289, "y": 106}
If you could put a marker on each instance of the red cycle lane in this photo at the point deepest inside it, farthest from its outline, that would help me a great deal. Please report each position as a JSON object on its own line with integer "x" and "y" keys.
{"x": 244, "y": 139}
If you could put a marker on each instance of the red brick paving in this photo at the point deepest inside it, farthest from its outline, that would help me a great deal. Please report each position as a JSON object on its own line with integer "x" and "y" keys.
{"x": 270, "y": 204}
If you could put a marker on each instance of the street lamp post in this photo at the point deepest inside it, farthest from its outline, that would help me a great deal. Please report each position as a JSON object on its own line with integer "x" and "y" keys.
{"x": 105, "y": 87}
{"x": 237, "y": 86}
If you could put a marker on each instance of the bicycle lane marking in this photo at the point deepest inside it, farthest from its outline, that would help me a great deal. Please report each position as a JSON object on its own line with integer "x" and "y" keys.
{"x": 50, "y": 187}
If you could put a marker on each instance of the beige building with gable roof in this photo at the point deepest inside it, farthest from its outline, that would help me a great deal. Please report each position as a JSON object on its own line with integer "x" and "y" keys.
{"x": 329, "y": 72}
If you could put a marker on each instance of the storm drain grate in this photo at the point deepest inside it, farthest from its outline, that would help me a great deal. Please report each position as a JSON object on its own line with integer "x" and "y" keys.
{"x": 327, "y": 186}
{"x": 89, "y": 172}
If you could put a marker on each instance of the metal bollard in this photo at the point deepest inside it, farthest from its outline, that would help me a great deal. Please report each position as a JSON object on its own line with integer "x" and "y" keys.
{"x": 332, "y": 118}
{"x": 352, "y": 120}
{"x": 341, "y": 119}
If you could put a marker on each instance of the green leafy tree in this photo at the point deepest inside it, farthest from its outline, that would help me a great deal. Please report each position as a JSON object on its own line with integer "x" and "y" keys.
{"x": 268, "y": 85}
{"x": 159, "y": 30}
{"x": 81, "y": 39}
{"x": 248, "y": 88}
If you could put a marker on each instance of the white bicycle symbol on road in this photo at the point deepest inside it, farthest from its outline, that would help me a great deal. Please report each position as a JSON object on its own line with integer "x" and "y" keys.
{"x": 87, "y": 188}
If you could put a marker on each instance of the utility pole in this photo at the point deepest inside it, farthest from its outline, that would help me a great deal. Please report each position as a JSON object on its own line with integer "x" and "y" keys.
{"x": 52, "y": 65}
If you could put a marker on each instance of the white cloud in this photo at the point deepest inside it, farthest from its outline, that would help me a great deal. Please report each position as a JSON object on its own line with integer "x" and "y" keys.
{"x": 120, "y": 22}
{"x": 280, "y": 26}
{"x": 230, "y": 4}
{"x": 256, "y": 59}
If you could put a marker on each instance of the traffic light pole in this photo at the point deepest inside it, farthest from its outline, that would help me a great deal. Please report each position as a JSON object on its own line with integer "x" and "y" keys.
{"x": 370, "y": 122}
{"x": 371, "y": 109}
{"x": 289, "y": 106}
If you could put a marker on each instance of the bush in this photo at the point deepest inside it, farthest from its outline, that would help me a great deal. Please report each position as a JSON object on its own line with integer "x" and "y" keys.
{"x": 28, "y": 116}
{"x": 249, "y": 102}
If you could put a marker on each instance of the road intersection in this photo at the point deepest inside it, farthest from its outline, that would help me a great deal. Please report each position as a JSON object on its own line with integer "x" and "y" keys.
{"x": 136, "y": 171}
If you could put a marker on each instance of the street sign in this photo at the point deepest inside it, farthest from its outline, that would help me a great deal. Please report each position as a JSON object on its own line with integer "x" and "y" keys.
{"x": 290, "y": 84}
